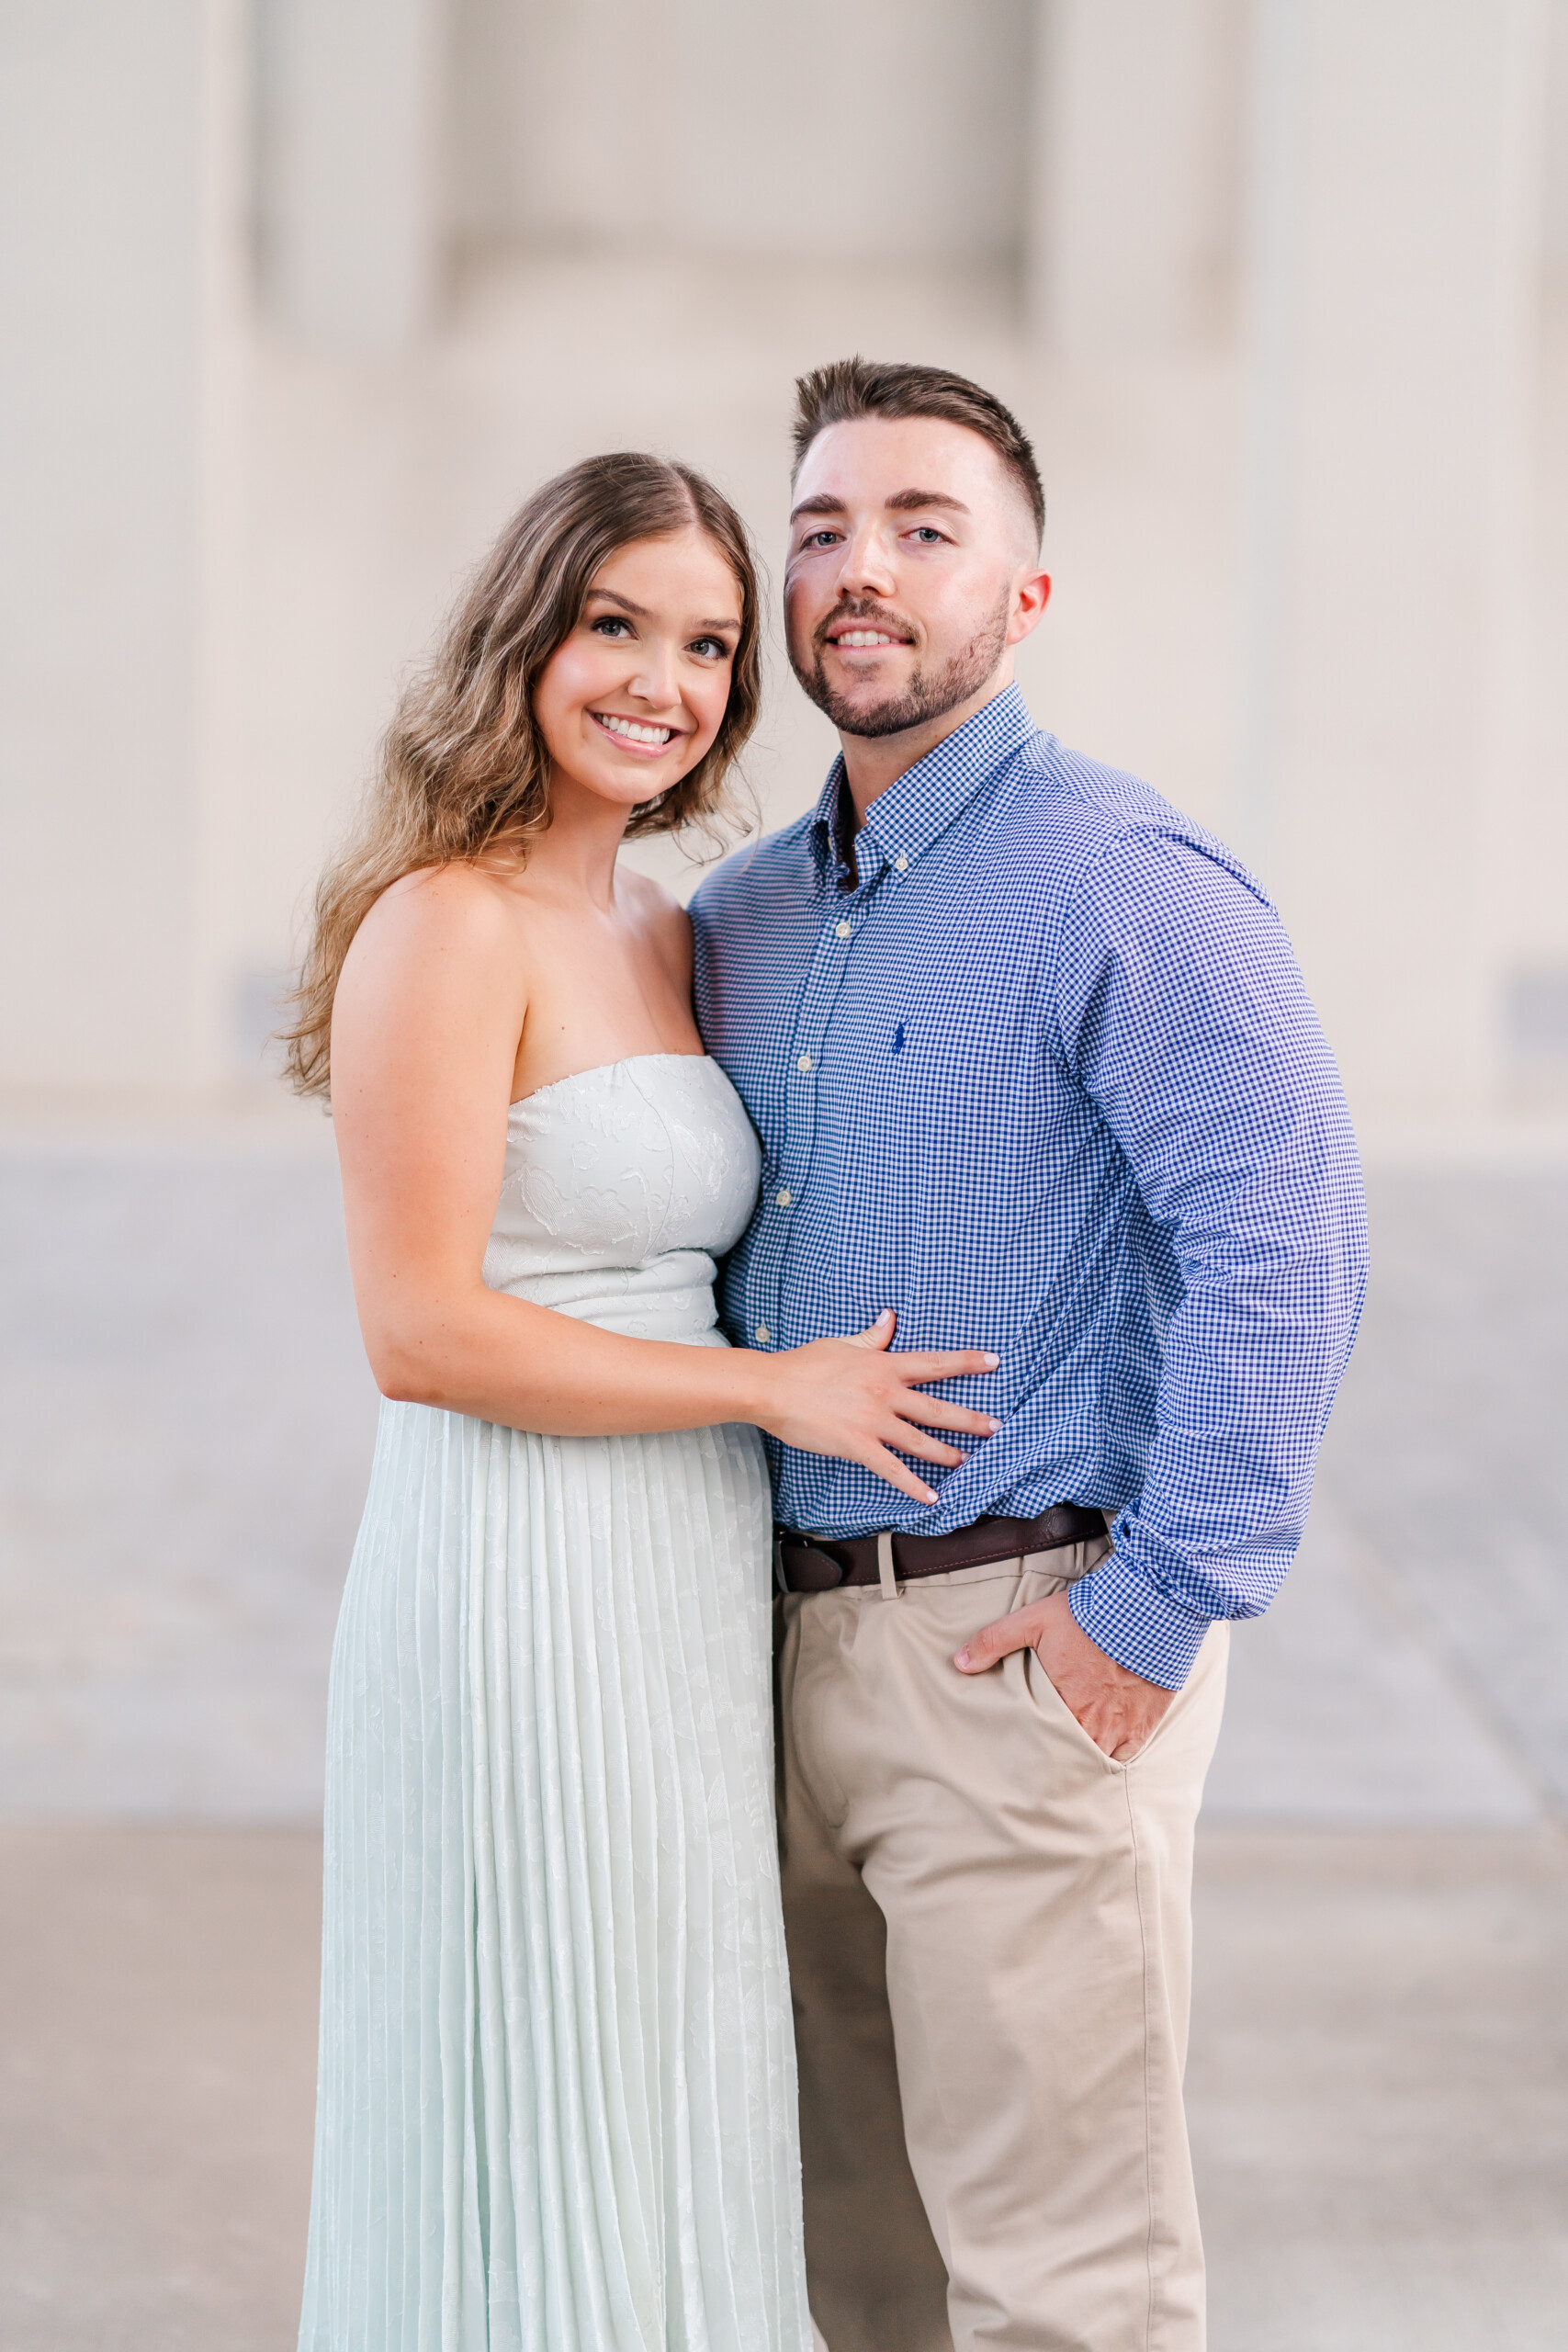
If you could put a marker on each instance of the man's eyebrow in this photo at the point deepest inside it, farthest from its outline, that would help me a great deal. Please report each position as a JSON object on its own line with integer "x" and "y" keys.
{"x": 905, "y": 502}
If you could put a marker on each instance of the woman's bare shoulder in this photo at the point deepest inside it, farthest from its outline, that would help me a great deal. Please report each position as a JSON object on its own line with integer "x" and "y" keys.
{"x": 454, "y": 925}
{"x": 447, "y": 904}
{"x": 463, "y": 890}
{"x": 433, "y": 993}
{"x": 662, "y": 919}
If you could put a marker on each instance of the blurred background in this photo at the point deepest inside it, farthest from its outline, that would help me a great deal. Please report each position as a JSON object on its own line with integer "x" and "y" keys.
{"x": 299, "y": 298}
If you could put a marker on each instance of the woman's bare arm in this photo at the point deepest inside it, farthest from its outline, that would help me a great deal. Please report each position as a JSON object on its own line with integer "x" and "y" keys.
{"x": 425, "y": 1025}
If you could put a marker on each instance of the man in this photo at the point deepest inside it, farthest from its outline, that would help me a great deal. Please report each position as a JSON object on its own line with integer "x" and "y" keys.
{"x": 1032, "y": 1065}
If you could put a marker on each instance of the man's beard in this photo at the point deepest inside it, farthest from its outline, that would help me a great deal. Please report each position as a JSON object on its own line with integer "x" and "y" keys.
{"x": 926, "y": 695}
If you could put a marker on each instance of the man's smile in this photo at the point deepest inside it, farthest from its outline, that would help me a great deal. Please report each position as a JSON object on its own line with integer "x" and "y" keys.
{"x": 864, "y": 633}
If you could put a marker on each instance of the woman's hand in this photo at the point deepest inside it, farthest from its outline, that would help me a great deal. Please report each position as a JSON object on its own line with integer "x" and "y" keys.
{"x": 852, "y": 1398}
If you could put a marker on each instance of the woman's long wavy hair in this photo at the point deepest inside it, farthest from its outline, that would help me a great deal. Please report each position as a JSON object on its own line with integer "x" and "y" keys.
{"x": 464, "y": 772}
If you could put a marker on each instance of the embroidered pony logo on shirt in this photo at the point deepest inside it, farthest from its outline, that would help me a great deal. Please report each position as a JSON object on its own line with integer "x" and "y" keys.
{"x": 898, "y": 1039}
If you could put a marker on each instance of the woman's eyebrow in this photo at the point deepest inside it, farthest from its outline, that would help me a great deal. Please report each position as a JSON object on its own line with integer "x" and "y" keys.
{"x": 640, "y": 611}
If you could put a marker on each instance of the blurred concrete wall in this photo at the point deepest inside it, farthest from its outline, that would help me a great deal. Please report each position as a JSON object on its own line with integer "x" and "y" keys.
{"x": 1139, "y": 135}
{"x": 1396, "y": 226}
{"x": 102, "y": 122}
{"x": 745, "y": 131}
{"x": 302, "y": 295}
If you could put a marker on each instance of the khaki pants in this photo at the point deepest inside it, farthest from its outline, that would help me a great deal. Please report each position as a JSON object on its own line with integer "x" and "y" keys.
{"x": 989, "y": 1942}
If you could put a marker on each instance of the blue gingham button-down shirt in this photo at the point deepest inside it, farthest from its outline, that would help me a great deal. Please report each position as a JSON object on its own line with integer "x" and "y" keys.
{"x": 1047, "y": 1079}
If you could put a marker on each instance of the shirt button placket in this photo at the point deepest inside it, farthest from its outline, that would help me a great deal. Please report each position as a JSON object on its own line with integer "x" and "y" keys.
{"x": 816, "y": 1004}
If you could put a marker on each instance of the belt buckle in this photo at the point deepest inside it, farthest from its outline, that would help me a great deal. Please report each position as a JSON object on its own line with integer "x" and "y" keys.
{"x": 828, "y": 1583}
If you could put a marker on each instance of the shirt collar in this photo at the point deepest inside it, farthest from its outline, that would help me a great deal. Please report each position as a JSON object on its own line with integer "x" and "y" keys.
{"x": 918, "y": 807}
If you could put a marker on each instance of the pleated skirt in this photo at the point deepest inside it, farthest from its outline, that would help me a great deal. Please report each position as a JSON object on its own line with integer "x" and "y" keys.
{"x": 557, "y": 2108}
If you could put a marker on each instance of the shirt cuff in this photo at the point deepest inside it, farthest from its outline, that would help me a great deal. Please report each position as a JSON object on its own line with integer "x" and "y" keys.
{"x": 1132, "y": 1621}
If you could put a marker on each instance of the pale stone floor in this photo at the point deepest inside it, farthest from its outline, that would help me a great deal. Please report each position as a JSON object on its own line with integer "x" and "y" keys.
{"x": 1380, "y": 2070}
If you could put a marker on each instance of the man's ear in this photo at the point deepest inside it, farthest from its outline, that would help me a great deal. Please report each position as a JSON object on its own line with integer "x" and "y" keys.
{"x": 1030, "y": 598}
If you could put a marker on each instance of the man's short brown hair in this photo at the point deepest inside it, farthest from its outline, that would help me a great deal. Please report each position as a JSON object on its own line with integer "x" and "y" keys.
{"x": 848, "y": 389}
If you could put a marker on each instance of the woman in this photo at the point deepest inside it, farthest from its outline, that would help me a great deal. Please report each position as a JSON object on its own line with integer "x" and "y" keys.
{"x": 557, "y": 2103}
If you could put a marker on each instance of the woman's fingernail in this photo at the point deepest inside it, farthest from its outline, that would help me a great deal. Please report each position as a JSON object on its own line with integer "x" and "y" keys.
{"x": 992, "y": 1362}
{"x": 885, "y": 1316}
{"x": 993, "y": 1427}
{"x": 962, "y": 1659}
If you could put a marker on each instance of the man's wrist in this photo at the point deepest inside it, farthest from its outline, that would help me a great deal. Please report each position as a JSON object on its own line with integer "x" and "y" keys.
{"x": 1133, "y": 1622}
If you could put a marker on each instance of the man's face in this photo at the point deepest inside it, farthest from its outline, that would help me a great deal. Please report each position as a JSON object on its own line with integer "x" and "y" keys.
{"x": 912, "y": 571}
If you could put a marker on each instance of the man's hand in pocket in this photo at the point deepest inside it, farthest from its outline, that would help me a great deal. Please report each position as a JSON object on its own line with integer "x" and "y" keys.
{"x": 1118, "y": 1708}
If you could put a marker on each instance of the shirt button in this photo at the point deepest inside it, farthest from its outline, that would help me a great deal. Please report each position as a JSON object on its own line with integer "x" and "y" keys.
{"x": 844, "y": 930}
{"x": 803, "y": 1062}
{"x": 783, "y": 1197}
{"x": 764, "y": 1335}
{"x": 902, "y": 863}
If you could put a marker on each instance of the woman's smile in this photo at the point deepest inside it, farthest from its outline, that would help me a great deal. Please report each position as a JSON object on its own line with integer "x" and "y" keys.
{"x": 640, "y": 735}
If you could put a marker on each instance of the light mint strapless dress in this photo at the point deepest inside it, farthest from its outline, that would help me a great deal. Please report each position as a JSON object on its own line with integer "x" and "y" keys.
{"x": 557, "y": 2109}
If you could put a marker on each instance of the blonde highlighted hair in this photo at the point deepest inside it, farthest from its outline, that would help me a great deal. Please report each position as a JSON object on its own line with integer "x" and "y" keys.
{"x": 463, "y": 771}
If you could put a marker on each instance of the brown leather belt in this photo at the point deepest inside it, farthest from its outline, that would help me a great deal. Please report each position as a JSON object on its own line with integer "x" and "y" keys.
{"x": 815, "y": 1564}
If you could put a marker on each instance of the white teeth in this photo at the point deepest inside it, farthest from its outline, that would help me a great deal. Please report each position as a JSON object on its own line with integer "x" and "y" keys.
{"x": 633, "y": 731}
{"x": 865, "y": 637}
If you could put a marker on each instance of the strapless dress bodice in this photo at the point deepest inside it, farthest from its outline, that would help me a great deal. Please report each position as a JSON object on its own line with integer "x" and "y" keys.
{"x": 622, "y": 1187}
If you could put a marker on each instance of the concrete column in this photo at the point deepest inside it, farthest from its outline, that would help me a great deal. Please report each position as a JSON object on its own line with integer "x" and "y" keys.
{"x": 1132, "y": 211}
{"x": 1395, "y": 223}
{"x": 101, "y": 196}
{"x": 1556, "y": 165}
{"x": 351, "y": 122}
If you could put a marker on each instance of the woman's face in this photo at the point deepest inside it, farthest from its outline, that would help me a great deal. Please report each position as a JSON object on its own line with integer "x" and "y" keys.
{"x": 633, "y": 698}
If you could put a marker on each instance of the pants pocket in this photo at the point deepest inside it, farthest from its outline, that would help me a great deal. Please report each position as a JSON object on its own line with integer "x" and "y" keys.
{"x": 1054, "y": 1710}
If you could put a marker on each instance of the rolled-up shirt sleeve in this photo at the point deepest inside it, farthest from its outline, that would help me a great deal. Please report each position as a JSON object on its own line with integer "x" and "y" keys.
{"x": 1180, "y": 1010}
